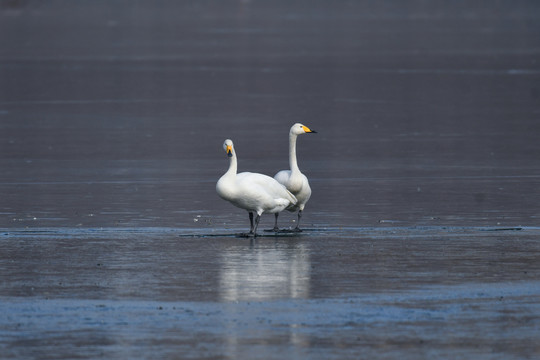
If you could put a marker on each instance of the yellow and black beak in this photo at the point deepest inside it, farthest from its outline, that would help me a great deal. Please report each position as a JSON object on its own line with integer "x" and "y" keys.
{"x": 308, "y": 130}
{"x": 229, "y": 150}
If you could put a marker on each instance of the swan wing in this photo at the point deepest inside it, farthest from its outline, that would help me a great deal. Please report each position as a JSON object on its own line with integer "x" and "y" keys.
{"x": 264, "y": 190}
{"x": 304, "y": 194}
{"x": 267, "y": 185}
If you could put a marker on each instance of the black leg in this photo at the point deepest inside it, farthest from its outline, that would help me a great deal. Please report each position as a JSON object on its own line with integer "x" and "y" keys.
{"x": 257, "y": 218}
{"x": 276, "y": 228}
{"x": 297, "y": 228}
{"x": 251, "y": 222}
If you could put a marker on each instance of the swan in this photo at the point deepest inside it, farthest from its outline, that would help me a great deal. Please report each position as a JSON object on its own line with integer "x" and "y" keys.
{"x": 293, "y": 179}
{"x": 256, "y": 193}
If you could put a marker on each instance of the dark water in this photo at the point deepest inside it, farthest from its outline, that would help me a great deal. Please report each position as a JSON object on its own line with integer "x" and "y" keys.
{"x": 422, "y": 232}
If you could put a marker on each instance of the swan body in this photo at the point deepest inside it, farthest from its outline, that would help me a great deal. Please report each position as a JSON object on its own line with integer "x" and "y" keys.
{"x": 256, "y": 193}
{"x": 293, "y": 179}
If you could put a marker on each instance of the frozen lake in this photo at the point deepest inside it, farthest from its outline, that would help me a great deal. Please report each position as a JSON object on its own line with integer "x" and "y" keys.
{"x": 422, "y": 233}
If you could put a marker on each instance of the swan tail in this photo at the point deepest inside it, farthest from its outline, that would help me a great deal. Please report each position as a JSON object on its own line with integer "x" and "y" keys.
{"x": 292, "y": 198}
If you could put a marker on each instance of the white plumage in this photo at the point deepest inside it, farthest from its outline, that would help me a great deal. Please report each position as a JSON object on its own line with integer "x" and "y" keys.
{"x": 293, "y": 179}
{"x": 256, "y": 193}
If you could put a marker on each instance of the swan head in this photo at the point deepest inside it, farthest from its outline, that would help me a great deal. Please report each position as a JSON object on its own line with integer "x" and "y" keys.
{"x": 228, "y": 147}
{"x": 298, "y": 129}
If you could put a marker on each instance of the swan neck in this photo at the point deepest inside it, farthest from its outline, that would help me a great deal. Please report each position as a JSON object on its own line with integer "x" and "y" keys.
{"x": 233, "y": 165}
{"x": 292, "y": 153}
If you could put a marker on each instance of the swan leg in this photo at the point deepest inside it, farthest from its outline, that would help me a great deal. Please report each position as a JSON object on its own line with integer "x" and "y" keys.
{"x": 251, "y": 222}
{"x": 276, "y": 228}
{"x": 252, "y": 228}
{"x": 297, "y": 228}
{"x": 257, "y": 218}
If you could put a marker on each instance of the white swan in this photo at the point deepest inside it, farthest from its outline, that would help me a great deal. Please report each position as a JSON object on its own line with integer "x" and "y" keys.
{"x": 296, "y": 182}
{"x": 251, "y": 191}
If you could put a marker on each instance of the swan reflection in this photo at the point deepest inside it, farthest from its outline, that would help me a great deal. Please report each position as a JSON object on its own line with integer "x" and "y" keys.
{"x": 265, "y": 271}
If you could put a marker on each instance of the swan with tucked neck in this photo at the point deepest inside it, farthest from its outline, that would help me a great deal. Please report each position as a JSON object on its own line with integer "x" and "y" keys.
{"x": 256, "y": 193}
{"x": 293, "y": 179}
